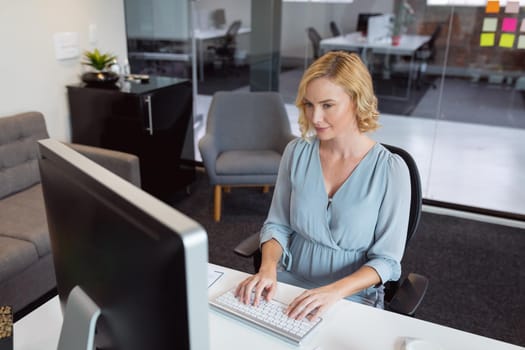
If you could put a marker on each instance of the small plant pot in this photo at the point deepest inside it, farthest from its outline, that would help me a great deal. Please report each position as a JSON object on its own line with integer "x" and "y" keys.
{"x": 105, "y": 78}
{"x": 396, "y": 39}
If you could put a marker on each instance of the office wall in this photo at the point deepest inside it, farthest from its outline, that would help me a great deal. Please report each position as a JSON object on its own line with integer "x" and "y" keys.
{"x": 234, "y": 10}
{"x": 31, "y": 77}
{"x": 294, "y": 40}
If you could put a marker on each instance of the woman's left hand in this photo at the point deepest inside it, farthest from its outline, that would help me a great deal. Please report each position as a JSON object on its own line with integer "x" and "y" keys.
{"x": 313, "y": 303}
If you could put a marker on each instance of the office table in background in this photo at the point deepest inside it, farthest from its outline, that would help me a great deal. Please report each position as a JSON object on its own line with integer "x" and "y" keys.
{"x": 347, "y": 325}
{"x": 356, "y": 42}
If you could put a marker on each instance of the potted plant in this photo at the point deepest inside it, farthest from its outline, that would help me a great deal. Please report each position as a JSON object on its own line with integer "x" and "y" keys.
{"x": 101, "y": 64}
{"x": 404, "y": 17}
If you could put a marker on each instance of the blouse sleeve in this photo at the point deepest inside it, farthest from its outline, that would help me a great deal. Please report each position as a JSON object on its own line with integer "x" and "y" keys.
{"x": 391, "y": 229}
{"x": 277, "y": 224}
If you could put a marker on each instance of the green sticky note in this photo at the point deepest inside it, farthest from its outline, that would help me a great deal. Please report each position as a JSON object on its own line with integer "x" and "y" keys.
{"x": 487, "y": 39}
{"x": 521, "y": 42}
{"x": 489, "y": 25}
{"x": 506, "y": 40}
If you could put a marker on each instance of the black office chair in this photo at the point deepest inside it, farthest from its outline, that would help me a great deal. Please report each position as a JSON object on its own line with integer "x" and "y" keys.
{"x": 315, "y": 39}
{"x": 403, "y": 298}
{"x": 334, "y": 29}
{"x": 426, "y": 54}
{"x": 224, "y": 52}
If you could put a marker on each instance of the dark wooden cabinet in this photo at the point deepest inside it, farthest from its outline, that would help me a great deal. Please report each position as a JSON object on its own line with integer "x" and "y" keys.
{"x": 153, "y": 121}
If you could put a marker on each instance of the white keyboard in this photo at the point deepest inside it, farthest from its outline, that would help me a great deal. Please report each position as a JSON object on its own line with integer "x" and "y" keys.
{"x": 269, "y": 316}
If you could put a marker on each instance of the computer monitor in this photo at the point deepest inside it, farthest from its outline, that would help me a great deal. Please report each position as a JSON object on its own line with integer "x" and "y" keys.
{"x": 125, "y": 254}
{"x": 362, "y": 22}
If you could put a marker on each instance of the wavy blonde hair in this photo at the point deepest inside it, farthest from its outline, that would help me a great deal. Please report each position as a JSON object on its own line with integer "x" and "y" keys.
{"x": 348, "y": 71}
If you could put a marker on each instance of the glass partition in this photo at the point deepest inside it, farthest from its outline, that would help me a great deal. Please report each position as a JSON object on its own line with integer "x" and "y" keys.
{"x": 451, "y": 88}
{"x": 449, "y": 75}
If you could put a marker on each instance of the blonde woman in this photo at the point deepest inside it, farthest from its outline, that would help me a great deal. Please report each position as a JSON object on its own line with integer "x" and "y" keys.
{"x": 339, "y": 214}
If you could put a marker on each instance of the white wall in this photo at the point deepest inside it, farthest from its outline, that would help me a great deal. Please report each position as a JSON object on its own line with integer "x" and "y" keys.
{"x": 296, "y": 17}
{"x": 234, "y": 10}
{"x": 31, "y": 77}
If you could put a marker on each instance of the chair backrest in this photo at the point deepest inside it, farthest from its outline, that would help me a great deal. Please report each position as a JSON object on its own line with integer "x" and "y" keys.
{"x": 19, "y": 151}
{"x": 416, "y": 197}
{"x": 434, "y": 36}
{"x": 232, "y": 31}
{"x": 248, "y": 121}
{"x": 428, "y": 51}
{"x": 334, "y": 29}
{"x": 315, "y": 39}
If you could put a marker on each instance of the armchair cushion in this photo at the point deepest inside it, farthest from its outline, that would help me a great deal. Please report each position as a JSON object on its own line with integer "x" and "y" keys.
{"x": 247, "y": 162}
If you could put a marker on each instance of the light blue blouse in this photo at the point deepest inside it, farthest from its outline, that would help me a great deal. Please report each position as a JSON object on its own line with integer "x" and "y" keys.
{"x": 364, "y": 223}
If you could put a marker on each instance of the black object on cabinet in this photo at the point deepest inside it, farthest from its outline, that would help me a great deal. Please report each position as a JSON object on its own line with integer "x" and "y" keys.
{"x": 153, "y": 121}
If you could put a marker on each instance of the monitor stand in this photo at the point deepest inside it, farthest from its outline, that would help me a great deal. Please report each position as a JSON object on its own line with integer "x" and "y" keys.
{"x": 80, "y": 319}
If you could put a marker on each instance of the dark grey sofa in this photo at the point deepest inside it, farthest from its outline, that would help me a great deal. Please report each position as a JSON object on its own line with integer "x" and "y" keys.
{"x": 26, "y": 265}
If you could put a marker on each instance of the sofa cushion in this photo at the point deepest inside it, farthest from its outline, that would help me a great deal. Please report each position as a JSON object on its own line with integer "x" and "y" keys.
{"x": 23, "y": 216}
{"x": 15, "y": 256}
{"x": 19, "y": 151}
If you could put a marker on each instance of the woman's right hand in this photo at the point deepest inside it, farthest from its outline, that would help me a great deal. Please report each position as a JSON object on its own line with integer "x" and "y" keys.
{"x": 262, "y": 284}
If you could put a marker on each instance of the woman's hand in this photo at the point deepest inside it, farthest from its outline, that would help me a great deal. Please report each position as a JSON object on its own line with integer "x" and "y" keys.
{"x": 262, "y": 284}
{"x": 313, "y": 303}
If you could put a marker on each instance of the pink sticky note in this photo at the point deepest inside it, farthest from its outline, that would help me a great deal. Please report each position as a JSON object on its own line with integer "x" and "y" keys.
{"x": 509, "y": 24}
{"x": 512, "y": 7}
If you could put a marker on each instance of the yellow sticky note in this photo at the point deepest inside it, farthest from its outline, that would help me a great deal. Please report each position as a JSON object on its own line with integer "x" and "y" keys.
{"x": 521, "y": 42}
{"x": 487, "y": 39}
{"x": 506, "y": 40}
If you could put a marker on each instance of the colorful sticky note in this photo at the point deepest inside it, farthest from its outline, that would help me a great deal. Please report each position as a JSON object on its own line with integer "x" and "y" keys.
{"x": 509, "y": 24}
{"x": 487, "y": 39}
{"x": 489, "y": 24}
{"x": 522, "y": 29}
{"x": 512, "y": 7}
{"x": 521, "y": 42}
{"x": 506, "y": 40}
{"x": 492, "y": 6}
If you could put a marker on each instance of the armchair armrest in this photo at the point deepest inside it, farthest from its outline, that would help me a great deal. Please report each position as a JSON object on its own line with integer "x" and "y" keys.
{"x": 249, "y": 246}
{"x": 409, "y": 295}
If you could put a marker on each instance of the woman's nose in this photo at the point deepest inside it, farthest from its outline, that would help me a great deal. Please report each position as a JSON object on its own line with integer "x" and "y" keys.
{"x": 317, "y": 115}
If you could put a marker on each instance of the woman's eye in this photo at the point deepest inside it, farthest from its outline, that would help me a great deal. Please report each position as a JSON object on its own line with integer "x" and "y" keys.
{"x": 308, "y": 105}
{"x": 327, "y": 105}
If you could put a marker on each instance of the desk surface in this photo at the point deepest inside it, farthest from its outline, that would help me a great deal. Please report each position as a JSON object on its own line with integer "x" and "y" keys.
{"x": 347, "y": 325}
{"x": 355, "y": 41}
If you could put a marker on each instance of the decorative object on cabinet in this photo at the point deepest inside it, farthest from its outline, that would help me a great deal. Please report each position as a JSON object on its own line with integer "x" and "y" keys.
{"x": 101, "y": 63}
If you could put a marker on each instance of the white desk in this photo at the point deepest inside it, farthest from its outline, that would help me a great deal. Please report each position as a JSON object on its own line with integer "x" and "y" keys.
{"x": 209, "y": 34}
{"x": 356, "y": 42}
{"x": 347, "y": 325}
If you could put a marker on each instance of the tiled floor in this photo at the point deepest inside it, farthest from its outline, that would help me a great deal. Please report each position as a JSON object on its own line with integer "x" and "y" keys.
{"x": 469, "y": 164}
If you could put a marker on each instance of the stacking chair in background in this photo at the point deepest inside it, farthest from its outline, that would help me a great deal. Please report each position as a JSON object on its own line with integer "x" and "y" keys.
{"x": 425, "y": 55}
{"x": 224, "y": 52}
{"x": 334, "y": 29}
{"x": 403, "y": 298}
{"x": 315, "y": 39}
{"x": 246, "y": 133}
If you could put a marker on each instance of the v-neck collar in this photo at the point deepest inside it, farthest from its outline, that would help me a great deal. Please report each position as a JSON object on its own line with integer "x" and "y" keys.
{"x": 348, "y": 179}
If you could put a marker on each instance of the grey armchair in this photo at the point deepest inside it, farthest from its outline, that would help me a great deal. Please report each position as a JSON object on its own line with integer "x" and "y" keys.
{"x": 246, "y": 133}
